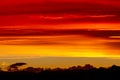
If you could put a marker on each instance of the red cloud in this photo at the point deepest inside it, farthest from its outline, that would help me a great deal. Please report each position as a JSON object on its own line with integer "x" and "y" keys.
{"x": 24, "y": 12}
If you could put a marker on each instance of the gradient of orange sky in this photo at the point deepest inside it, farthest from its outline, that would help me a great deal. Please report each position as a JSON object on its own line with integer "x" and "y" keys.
{"x": 59, "y": 28}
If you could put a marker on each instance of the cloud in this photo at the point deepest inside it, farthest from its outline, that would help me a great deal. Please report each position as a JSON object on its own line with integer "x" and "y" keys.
{"x": 57, "y": 37}
{"x": 58, "y": 32}
{"x": 36, "y": 40}
{"x": 114, "y": 44}
{"x": 17, "y": 20}
{"x": 60, "y": 8}
{"x": 52, "y": 12}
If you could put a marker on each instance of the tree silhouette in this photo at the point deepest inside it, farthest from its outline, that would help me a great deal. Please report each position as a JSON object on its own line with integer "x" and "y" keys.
{"x": 0, "y": 69}
{"x": 86, "y": 72}
{"x": 14, "y": 67}
{"x": 88, "y": 67}
{"x": 34, "y": 70}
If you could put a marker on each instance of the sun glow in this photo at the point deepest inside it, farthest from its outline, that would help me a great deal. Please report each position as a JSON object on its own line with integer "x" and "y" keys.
{"x": 55, "y": 46}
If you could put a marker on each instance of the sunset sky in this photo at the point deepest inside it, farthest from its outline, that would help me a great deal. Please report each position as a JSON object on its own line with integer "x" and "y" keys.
{"x": 60, "y": 30}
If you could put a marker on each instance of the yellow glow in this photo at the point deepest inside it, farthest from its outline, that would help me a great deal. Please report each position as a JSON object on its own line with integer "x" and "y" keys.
{"x": 56, "y": 46}
{"x": 60, "y": 46}
{"x": 45, "y": 51}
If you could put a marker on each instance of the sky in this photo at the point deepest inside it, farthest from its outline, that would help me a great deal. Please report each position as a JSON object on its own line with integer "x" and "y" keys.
{"x": 60, "y": 28}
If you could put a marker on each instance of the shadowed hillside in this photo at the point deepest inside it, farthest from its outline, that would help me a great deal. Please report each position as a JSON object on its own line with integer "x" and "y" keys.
{"x": 87, "y": 72}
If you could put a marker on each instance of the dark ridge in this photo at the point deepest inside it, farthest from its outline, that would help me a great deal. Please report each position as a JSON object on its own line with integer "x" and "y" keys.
{"x": 87, "y": 72}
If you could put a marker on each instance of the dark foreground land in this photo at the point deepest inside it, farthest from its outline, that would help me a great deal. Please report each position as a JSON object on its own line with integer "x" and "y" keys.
{"x": 87, "y": 72}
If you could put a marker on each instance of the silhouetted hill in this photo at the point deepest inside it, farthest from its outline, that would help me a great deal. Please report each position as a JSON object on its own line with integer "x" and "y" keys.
{"x": 87, "y": 72}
